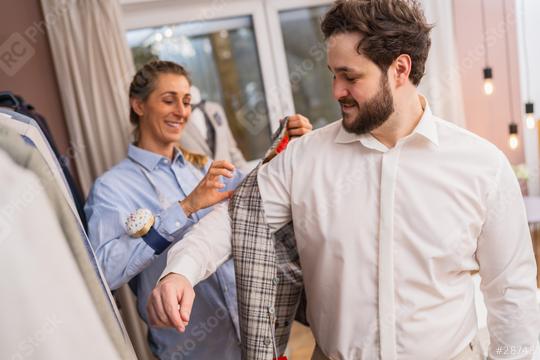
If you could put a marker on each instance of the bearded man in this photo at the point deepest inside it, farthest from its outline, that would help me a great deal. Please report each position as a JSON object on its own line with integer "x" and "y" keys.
{"x": 393, "y": 211}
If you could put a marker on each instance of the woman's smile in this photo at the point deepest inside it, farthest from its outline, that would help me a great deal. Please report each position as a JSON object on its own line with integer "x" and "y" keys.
{"x": 175, "y": 124}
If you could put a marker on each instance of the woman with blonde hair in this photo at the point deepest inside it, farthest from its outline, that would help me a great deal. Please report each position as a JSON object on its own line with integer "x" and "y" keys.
{"x": 151, "y": 199}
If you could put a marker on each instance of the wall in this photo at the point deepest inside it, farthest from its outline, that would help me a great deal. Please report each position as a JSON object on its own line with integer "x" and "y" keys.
{"x": 30, "y": 70}
{"x": 442, "y": 80}
{"x": 527, "y": 18}
{"x": 489, "y": 116}
{"x": 486, "y": 116}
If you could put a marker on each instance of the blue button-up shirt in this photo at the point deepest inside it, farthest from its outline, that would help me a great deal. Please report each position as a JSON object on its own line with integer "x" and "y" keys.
{"x": 213, "y": 331}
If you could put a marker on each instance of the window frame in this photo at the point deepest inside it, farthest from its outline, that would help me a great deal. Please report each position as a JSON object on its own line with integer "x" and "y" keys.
{"x": 138, "y": 14}
{"x": 273, "y": 7}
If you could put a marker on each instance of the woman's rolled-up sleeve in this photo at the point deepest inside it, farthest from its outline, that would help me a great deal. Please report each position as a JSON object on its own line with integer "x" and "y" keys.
{"x": 122, "y": 257}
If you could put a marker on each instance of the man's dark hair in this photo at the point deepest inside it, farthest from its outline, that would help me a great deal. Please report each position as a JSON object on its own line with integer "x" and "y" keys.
{"x": 388, "y": 28}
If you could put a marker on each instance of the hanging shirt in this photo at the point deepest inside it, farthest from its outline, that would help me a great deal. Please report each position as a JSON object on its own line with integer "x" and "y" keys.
{"x": 197, "y": 118}
{"x": 148, "y": 180}
{"x": 388, "y": 239}
{"x": 29, "y": 157}
{"x": 40, "y": 318}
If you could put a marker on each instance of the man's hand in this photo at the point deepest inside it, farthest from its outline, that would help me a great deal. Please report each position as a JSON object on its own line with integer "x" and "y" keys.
{"x": 298, "y": 125}
{"x": 170, "y": 303}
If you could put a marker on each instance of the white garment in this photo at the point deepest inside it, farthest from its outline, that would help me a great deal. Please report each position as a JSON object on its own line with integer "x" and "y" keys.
{"x": 45, "y": 151}
{"x": 197, "y": 118}
{"x": 47, "y": 311}
{"x": 388, "y": 239}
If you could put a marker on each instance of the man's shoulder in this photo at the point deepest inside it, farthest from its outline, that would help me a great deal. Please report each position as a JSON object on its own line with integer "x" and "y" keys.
{"x": 449, "y": 131}
{"x": 472, "y": 146}
{"x": 320, "y": 136}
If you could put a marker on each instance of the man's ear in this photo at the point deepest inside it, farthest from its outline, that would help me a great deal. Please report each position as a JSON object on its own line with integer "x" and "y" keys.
{"x": 137, "y": 106}
{"x": 402, "y": 69}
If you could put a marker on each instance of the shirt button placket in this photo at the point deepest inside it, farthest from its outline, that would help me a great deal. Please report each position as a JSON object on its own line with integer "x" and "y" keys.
{"x": 387, "y": 326}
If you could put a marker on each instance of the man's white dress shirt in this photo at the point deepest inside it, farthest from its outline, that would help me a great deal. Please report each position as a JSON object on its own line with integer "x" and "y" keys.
{"x": 388, "y": 239}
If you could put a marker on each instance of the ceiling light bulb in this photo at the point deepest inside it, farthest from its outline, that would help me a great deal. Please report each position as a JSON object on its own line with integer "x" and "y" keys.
{"x": 529, "y": 111}
{"x": 488, "y": 81}
{"x": 513, "y": 139}
{"x": 531, "y": 121}
{"x": 488, "y": 87}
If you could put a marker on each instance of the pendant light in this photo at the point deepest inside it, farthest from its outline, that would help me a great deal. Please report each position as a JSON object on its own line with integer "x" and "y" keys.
{"x": 488, "y": 71}
{"x": 530, "y": 121}
{"x": 529, "y": 115}
{"x": 513, "y": 139}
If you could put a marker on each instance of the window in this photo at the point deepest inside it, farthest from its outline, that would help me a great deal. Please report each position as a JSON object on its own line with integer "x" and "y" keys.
{"x": 222, "y": 59}
{"x": 261, "y": 60}
{"x": 311, "y": 82}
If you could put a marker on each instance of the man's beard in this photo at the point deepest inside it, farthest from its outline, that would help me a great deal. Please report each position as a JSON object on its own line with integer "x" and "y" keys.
{"x": 373, "y": 113}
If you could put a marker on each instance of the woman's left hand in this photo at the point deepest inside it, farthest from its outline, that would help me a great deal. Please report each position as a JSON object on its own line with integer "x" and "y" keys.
{"x": 298, "y": 125}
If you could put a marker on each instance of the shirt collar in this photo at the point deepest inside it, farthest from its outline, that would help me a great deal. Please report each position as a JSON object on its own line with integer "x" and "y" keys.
{"x": 426, "y": 127}
{"x": 150, "y": 160}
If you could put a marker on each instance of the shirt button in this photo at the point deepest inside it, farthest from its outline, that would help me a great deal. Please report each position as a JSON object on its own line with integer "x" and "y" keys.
{"x": 275, "y": 280}
{"x": 271, "y": 310}
{"x": 177, "y": 224}
{"x": 267, "y": 341}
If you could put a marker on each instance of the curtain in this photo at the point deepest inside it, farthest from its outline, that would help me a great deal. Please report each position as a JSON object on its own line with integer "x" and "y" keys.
{"x": 93, "y": 66}
{"x": 442, "y": 82}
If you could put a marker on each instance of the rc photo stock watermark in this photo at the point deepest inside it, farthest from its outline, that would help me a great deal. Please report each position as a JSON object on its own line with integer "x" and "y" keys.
{"x": 19, "y": 47}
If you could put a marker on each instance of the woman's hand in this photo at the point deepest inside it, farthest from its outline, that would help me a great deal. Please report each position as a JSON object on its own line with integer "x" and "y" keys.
{"x": 298, "y": 125}
{"x": 207, "y": 192}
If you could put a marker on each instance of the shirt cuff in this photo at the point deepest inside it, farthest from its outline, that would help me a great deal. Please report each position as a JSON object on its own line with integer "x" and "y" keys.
{"x": 156, "y": 241}
{"x": 183, "y": 265}
{"x": 171, "y": 221}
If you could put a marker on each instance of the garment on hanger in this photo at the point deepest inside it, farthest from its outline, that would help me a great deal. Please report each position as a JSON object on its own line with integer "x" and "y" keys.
{"x": 28, "y": 128}
{"x": 23, "y": 112}
{"x": 20, "y": 106}
{"x": 47, "y": 311}
{"x": 211, "y": 135}
{"x": 30, "y": 158}
{"x": 198, "y": 120}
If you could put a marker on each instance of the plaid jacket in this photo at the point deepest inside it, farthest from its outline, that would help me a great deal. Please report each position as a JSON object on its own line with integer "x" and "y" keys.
{"x": 268, "y": 275}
